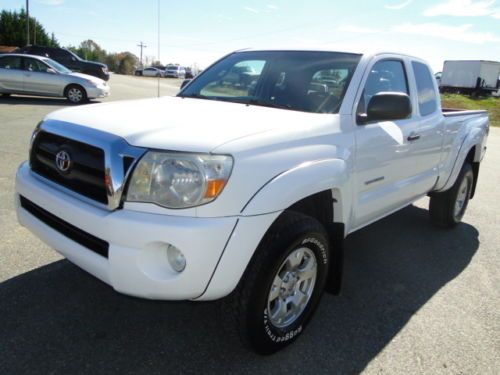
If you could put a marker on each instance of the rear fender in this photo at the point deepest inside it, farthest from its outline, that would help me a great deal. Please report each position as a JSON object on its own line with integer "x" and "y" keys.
{"x": 475, "y": 138}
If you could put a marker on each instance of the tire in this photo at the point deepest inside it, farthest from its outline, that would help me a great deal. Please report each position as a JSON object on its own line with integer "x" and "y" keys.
{"x": 76, "y": 94}
{"x": 271, "y": 278}
{"x": 447, "y": 208}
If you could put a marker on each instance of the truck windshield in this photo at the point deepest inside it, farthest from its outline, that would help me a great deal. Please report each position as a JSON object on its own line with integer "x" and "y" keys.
{"x": 297, "y": 80}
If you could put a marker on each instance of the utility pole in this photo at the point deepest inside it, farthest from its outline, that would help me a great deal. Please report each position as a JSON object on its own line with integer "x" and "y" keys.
{"x": 142, "y": 45}
{"x": 159, "y": 45}
{"x": 27, "y": 22}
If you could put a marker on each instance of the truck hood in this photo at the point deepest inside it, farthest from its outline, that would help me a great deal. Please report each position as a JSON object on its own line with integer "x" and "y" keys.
{"x": 185, "y": 124}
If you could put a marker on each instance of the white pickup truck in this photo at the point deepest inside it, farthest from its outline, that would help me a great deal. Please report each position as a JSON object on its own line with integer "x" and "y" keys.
{"x": 246, "y": 183}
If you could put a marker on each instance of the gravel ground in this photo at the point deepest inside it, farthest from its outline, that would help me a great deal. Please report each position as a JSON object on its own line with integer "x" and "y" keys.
{"x": 416, "y": 299}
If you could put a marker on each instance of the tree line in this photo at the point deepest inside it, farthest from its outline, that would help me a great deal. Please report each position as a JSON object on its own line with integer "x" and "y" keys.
{"x": 13, "y": 33}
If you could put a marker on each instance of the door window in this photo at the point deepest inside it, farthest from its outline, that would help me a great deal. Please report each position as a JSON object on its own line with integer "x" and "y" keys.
{"x": 427, "y": 101}
{"x": 34, "y": 65}
{"x": 385, "y": 76}
{"x": 10, "y": 62}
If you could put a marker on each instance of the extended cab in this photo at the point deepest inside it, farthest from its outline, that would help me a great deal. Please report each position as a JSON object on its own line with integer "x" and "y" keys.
{"x": 243, "y": 186}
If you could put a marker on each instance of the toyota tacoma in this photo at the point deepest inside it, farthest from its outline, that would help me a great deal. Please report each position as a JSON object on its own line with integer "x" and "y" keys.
{"x": 244, "y": 186}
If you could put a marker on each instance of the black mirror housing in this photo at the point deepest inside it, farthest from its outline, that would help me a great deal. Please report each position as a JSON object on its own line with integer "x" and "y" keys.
{"x": 185, "y": 82}
{"x": 388, "y": 106}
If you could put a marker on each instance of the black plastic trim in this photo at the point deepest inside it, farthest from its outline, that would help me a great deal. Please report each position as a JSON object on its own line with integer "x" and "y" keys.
{"x": 85, "y": 239}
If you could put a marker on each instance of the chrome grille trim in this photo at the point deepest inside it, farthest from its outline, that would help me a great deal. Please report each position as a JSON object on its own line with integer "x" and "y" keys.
{"x": 115, "y": 150}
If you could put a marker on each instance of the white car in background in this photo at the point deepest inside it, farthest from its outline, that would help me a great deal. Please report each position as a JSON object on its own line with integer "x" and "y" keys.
{"x": 153, "y": 72}
{"x": 175, "y": 71}
{"x": 36, "y": 75}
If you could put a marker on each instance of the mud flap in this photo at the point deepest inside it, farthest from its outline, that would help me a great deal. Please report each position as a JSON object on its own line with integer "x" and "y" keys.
{"x": 334, "y": 283}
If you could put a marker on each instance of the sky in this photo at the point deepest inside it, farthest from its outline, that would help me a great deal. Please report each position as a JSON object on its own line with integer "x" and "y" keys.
{"x": 203, "y": 31}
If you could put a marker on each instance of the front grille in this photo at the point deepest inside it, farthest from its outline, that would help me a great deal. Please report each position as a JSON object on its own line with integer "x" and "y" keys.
{"x": 86, "y": 173}
{"x": 85, "y": 239}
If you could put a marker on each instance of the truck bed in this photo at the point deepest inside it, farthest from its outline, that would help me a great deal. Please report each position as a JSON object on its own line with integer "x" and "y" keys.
{"x": 451, "y": 112}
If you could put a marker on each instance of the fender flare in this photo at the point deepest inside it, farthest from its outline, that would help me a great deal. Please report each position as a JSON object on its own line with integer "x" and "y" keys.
{"x": 299, "y": 182}
{"x": 473, "y": 139}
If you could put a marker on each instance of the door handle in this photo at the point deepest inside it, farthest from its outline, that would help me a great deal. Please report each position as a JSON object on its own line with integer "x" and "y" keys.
{"x": 413, "y": 137}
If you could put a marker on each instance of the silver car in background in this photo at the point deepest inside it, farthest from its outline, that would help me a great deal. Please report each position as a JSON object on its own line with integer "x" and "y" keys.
{"x": 37, "y": 75}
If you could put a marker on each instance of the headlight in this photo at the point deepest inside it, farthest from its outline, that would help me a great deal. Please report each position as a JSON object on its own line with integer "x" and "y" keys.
{"x": 178, "y": 180}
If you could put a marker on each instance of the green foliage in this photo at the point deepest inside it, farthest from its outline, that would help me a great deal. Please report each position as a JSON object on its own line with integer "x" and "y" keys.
{"x": 13, "y": 30}
{"x": 491, "y": 104}
{"x": 127, "y": 64}
{"x": 121, "y": 63}
{"x": 13, "y": 33}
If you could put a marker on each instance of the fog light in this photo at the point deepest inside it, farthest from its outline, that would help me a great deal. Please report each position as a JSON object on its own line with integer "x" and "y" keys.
{"x": 176, "y": 258}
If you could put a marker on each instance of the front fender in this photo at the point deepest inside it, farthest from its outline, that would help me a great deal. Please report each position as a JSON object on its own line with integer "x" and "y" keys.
{"x": 263, "y": 209}
{"x": 300, "y": 182}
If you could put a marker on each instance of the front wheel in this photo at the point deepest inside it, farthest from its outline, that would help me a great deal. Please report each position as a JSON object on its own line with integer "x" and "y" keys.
{"x": 283, "y": 284}
{"x": 447, "y": 208}
{"x": 76, "y": 94}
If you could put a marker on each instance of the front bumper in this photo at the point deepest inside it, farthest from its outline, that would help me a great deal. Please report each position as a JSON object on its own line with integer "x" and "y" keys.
{"x": 100, "y": 91}
{"x": 137, "y": 264}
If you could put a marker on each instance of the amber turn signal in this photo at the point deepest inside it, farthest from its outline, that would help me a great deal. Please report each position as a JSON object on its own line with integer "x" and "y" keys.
{"x": 214, "y": 187}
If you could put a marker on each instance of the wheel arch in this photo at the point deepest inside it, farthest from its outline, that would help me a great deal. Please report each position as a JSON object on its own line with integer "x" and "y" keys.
{"x": 471, "y": 150}
{"x": 66, "y": 88}
{"x": 321, "y": 182}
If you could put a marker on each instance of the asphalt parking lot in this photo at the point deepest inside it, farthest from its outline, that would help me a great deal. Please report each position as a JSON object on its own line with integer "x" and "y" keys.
{"x": 416, "y": 299}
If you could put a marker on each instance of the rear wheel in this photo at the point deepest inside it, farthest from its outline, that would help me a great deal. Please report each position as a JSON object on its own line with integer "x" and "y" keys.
{"x": 447, "y": 208}
{"x": 76, "y": 94}
{"x": 282, "y": 285}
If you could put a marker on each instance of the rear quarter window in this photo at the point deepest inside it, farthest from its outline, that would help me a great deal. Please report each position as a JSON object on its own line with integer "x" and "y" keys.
{"x": 427, "y": 100}
{"x": 10, "y": 62}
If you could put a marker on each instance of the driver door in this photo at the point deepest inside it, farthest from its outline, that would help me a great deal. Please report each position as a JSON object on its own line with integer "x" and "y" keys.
{"x": 38, "y": 80}
{"x": 384, "y": 169}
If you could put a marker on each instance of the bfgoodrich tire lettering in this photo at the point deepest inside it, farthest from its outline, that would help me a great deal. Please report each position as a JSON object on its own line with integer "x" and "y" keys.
{"x": 292, "y": 233}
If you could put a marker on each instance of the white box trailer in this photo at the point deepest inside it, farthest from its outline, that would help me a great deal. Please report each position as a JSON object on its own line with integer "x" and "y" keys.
{"x": 470, "y": 76}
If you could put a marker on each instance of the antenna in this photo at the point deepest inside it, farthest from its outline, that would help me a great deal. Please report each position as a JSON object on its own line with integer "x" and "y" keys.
{"x": 159, "y": 46}
{"x": 142, "y": 45}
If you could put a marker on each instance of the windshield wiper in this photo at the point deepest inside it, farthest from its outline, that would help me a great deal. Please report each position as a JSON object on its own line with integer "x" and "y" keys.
{"x": 195, "y": 96}
{"x": 268, "y": 104}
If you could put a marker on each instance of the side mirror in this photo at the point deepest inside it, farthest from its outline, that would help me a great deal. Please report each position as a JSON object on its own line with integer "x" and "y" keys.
{"x": 387, "y": 106}
{"x": 185, "y": 82}
{"x": 51, "y": 71}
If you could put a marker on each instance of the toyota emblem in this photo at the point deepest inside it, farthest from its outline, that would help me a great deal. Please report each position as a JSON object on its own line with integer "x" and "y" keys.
{"x": 63, "y": 161}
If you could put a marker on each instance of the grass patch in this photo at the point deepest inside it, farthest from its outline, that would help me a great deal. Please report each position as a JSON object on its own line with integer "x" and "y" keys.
{"x": 491, "y": 104}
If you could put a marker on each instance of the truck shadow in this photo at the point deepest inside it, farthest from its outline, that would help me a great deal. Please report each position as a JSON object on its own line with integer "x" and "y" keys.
{"x": 58, "y": 319}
